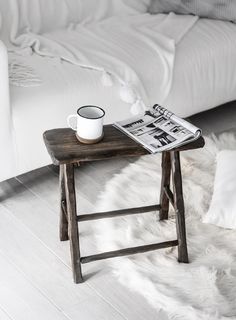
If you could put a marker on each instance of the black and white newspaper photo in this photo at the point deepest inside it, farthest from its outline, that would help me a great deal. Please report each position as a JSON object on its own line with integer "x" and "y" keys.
{"x": 159, "y": 130}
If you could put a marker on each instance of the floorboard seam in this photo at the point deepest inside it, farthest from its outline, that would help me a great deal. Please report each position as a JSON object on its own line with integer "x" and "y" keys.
{"x": 110, "y": 304}
{"x": 34, "y": 235}
{"x": 38, "y": 197}
{"x": 33, "y": 285}
{"x": 52, "y": 252}
{"x": 6, "y": 313}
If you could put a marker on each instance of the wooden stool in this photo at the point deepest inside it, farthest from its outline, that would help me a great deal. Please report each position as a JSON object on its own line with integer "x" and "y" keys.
{"x": 66, "y": 151}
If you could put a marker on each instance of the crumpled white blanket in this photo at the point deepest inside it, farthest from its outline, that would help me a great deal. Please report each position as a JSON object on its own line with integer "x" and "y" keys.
{"x": 138, "y": 51}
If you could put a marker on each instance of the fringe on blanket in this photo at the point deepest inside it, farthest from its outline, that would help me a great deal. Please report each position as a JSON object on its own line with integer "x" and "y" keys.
{"x": 22, "y": 75}
{"x": 127, "y": 93}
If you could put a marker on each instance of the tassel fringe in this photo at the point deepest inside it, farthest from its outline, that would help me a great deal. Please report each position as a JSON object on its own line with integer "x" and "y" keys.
{"x": 138, "y": 107}
{"x": 107, "y": 79}
{"x": 23, "y": 75}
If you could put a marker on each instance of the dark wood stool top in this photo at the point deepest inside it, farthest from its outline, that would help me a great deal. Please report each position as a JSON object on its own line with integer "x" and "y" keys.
{"x": 64, "y": 148}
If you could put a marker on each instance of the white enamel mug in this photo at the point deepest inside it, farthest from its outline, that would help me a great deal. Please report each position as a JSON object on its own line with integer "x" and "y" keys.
{"x": 88, "y": 124}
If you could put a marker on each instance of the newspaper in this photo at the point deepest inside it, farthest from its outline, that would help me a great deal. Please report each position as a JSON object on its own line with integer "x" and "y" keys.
{"x": 159, "y": 129}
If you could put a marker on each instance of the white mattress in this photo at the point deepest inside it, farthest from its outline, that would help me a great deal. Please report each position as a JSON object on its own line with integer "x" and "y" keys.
{"x": 204, "y": 77}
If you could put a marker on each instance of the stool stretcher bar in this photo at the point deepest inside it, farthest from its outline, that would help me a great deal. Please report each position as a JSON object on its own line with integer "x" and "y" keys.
{"x": 169, "y": 195}
{"x": 117, "y": 213}
{"x": 129, "y": 251}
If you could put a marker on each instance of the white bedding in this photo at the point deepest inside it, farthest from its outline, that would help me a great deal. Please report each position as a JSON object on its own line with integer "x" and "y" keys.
{"x": 203, "y": 77}
{"x": 205, "y": 69}
{"x": 136, "y": 51}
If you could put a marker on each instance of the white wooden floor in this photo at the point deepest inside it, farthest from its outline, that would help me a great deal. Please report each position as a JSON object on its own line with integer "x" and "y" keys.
{"x": 35, "y": 275}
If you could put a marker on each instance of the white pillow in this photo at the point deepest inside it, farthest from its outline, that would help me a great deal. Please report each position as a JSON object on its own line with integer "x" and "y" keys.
{"x": 212, "y": 9}
{"x": 222, "y": 211}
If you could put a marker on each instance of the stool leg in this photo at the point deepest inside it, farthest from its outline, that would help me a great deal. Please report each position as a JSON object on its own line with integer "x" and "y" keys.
{"x": 72, "y": 221}
{"x": 179, "y": 207}
{"x": 165, "y": 182}
{"x": 63, "y": 210}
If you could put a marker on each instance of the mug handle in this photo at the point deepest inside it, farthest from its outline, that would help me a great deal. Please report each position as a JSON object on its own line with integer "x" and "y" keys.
{"x": 69, "y": 121}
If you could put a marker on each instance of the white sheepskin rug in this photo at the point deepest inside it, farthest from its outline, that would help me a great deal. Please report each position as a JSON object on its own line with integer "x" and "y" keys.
{"x": 206, "y": 287}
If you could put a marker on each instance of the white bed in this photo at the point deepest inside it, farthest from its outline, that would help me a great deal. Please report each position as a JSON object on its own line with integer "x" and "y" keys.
{"x": 204, "y": 77}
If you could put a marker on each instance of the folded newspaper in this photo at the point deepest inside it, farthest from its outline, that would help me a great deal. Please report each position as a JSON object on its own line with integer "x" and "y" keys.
{"x": 159, "y": 129}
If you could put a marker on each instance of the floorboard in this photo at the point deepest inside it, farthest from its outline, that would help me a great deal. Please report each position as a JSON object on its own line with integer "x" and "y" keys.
{"x": 21, "y": 300}
{"x": 37, "y": 269}
{"x": 4, "y": 315}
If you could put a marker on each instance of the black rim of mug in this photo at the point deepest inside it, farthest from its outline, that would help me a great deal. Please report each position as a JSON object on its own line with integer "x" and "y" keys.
{"x": 89, "y": 106}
